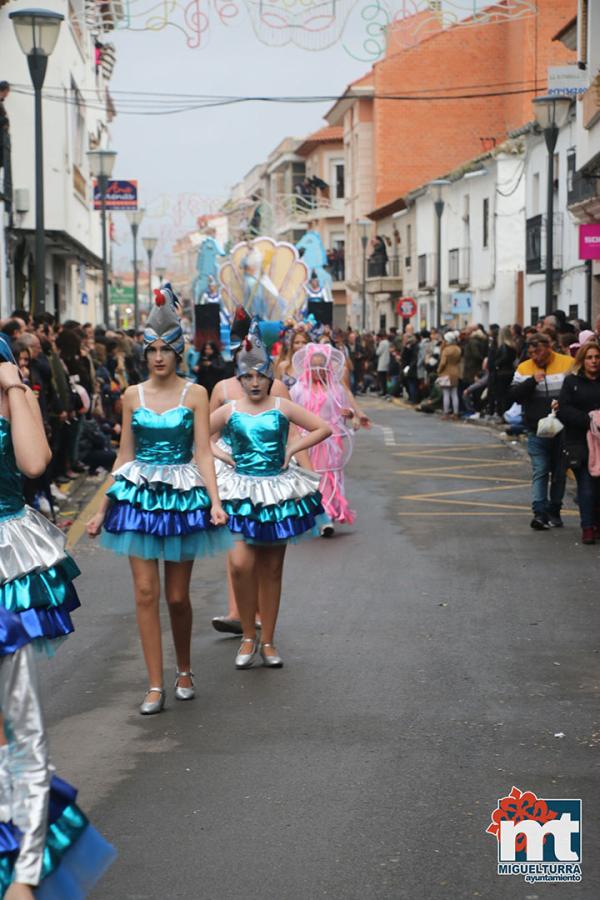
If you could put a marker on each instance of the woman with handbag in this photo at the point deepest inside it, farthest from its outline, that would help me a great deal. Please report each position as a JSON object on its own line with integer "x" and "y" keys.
{"x": 580, "y": 396}
{"x": 449, "y": 373}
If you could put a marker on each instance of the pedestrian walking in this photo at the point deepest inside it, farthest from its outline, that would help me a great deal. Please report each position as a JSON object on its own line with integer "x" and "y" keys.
{"x": 36, "y": 600}
{"x": 449, "y": 373}
{"x": 536, "y": 385}
{"x": 580, "y": 396}
{"x": 269, "y": 502}
{"x": 164, "y": 502}
{"x": 382, "y": 353}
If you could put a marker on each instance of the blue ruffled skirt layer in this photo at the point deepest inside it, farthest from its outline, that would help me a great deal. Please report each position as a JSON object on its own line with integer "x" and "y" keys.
{"x": 37, "y": 596}
{"x": 279, "y": 508}
{"x": 288, "y": 521}
{"x": 75, "y": 856}
{"x": 158, "y": 521}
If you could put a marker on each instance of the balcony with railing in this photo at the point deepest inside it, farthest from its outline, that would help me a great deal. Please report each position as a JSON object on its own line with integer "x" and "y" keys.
{"x": 535, "y": 236}
{"x": 459, "y": 267}
{"x": 384, "y": 276}
{"x": 306, "y": 207}
{"x": 426, "y": 275}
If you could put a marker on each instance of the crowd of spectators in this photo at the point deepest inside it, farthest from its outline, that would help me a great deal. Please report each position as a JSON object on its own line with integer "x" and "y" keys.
{"x": 516, "y": 375}
{"x": 78, "y": 374}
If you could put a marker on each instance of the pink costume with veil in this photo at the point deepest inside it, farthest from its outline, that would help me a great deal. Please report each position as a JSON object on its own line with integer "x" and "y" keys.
{"x": 319, "y": 369}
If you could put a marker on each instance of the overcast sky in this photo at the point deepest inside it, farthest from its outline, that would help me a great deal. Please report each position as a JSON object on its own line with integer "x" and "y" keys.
{"x": 185, "y": 161}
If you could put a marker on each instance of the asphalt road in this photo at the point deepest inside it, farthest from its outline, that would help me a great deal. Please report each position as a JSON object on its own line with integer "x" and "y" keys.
{"x": 433, "y": 653}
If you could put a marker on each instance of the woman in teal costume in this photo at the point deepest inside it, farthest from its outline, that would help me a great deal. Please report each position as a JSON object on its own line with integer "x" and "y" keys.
{"x": 164, "y": 502}
{"x": 45, "y": 840}
{"x": 269, "y": 501}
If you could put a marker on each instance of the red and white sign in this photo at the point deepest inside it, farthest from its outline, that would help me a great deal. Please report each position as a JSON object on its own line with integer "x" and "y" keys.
{"x": 406, "y": 307}
{"x": 589, "y": 241}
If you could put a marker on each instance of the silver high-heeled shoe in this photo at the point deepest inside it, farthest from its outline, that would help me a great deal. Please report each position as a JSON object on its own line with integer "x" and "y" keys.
{"x": 272, "y": 662}
{"x": 245, "y": 660}
{"x": 184, "y": 693}
{"x": 151, "y": 707}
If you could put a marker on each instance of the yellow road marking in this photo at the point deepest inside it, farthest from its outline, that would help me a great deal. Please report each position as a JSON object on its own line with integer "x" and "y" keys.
{"x": 458, "y": 512}
{"x": 77, "y": 529}
{"x": 478, "y": 490}
{"x": 460, "y": 475}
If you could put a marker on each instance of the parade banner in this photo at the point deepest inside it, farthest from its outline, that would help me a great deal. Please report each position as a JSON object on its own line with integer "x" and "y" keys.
{"x": 119, "y": 195}
{"x": 589, "y": 241}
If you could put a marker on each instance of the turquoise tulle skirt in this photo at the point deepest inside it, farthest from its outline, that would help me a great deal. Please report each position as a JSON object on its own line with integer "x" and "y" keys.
{"x": 174, "y": 548}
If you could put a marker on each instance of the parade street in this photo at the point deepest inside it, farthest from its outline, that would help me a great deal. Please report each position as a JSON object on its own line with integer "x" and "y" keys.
{"x": 437, "y": 654}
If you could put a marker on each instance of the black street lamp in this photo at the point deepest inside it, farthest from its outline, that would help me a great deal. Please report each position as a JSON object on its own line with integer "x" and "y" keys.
{"x": 135, "y": 220}
{"x": 438, "y": 204}
{"x": 37, "y": 33}
{"x": 149, "y": 246}
{"x": 101, "y": 165}
{"x": 551, "y": 113}
{"x": 365, "y": 227}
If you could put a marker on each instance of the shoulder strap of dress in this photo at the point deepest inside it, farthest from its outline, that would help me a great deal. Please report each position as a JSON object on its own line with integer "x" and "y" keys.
{"x": 141, "y": 393}
{"x": 232, "y": 404}
{"x": 277, "y": 402}
{"x": 186, "y": 388}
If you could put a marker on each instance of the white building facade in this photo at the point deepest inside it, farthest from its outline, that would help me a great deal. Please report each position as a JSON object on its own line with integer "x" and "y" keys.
{"x": 569, "y": 272}
{"x": 77, "y": 109}
{"x": 482, "y": 247}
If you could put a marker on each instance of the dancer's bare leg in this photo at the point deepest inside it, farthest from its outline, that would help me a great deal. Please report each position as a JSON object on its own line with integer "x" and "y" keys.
{"x": 244, "y": 576}
{"x": 177, "y": 590}
{"x": 146, "y": 585}
{"x": 270, "y": 573}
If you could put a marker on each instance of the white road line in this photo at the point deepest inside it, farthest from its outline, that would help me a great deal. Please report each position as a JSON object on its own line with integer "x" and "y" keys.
{"x": 389, "y": 438}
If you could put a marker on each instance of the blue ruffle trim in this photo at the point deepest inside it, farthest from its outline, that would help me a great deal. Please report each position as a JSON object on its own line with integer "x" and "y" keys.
{"x": 39, "y": 589}
{"x": 160, "y": 497}
{"x": 75, "y": 856}
{"x": 37, "y": 625}
{"x": 297, "y": 508}
{"x": 165, "y": 523}
{"x": 172, "y": 549}
{"x": 287, "y": 531}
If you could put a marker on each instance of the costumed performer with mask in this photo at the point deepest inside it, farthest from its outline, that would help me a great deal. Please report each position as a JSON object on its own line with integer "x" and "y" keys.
{"x": 46, "y": 842}
{"x": 269, "y": 502}
{"x": 164, "y": 502}
{"x": 224, "y": 392}
{"x": 320, "y": 388}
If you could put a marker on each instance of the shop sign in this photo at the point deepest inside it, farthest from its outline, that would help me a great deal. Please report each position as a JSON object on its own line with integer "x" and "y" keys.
{"x": 589, "y": 241}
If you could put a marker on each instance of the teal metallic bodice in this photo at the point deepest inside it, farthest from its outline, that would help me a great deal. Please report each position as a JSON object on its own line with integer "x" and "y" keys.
{"x": 11, "y": 484}
{"x": 257, "y": 442}
{"x": 163, "y": 438}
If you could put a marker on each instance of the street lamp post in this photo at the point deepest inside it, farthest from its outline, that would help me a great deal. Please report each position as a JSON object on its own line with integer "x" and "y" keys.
{"x": 551, "y": 113}
{"x": 101, "y": 165}
{"x": 149, "y": 246}
{"x": 37, "y": 33}
{"x": 438, "y": 204}
{"x": 134, "y": 217}
{"x": 365, "y": 226}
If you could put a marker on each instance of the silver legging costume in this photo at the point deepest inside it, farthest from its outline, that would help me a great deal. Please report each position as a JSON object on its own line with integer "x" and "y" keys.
{"x": 24, "y": 766}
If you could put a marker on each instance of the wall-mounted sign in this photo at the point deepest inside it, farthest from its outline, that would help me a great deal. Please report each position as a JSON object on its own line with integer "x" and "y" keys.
{"x": 569, "y": 80}
{"x": 462, "y": 303}
{"x": 406, "y": 307}
{"x": 589, "y": 241}
{"x": 119, "y": 195}
{"x": 121, "y": 294}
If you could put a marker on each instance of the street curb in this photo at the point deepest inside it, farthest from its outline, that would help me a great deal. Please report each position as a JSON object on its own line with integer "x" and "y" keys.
{"x": 77, "y": 529}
